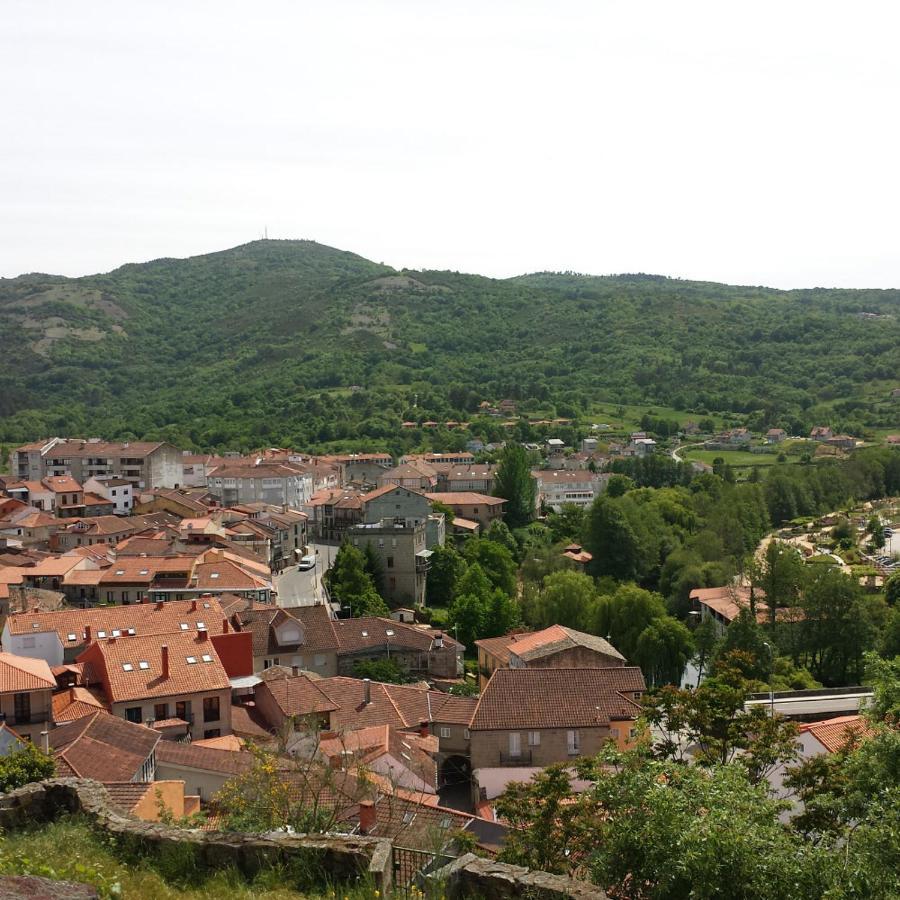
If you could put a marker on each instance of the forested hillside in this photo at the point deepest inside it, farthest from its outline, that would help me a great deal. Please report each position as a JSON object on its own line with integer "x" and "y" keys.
{"x": 294, "y": 343}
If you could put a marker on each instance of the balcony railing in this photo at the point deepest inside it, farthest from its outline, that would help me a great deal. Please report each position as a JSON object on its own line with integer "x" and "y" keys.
{"x": 523, "y": 758}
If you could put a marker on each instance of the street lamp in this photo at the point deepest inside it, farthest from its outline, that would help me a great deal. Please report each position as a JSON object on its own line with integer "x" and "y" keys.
{"x": 771, "y": 689}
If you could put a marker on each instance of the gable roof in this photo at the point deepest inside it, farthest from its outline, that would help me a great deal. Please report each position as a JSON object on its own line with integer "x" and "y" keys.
{"x": 538, "y": 644}
{"x": 558, "y": 698}
{"x": 464, "y": 498}
{"x": 75, "y": 703}
{"x": 102, "y": 746}
{"x": 367, "y": 632}
{"x": 207, "y": 759}
{"x": 314, "y": 621}
{"x": 144, "y": 618}
{"x": 834, "y": 734}
{"x": 20, "y": 674}
{"x": 131, "y": 668}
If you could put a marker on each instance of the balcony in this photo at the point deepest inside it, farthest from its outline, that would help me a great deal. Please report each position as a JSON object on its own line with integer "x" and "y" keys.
{"x": 515, "y": 759}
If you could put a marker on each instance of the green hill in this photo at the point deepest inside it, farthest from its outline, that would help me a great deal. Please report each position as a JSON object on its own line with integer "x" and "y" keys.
{"x": 292, "y": 342}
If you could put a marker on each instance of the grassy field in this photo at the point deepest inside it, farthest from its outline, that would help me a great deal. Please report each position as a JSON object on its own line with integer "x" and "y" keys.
{"x": 736, "y": 458}
{"x": 70, "y": 850}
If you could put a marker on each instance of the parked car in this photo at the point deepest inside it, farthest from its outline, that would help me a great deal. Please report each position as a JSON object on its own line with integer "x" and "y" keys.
{"x": 307, "y": 562}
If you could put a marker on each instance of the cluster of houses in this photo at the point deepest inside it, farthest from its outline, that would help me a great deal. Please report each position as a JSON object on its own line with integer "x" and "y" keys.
{"x": 143, "y": 645}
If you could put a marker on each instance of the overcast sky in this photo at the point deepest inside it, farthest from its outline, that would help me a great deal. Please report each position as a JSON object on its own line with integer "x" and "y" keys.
{"x": 752, "y": 142}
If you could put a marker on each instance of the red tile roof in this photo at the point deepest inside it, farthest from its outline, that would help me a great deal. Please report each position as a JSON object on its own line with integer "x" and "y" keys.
{"x": 19, "y": 674}
{"x": 102, "y": 746}
{"x": 558, "y": 698}
{"x": 208, "y": 759}
{"x": 834, "y": 734}
{"x": 131, "y": 668}
{"x": 464, "y": 498}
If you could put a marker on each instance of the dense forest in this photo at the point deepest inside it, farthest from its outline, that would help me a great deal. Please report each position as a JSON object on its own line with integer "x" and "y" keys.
{"x": 295, "y": 343}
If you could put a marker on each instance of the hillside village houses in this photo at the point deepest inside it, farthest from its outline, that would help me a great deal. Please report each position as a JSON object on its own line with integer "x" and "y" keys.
{"x": 145, "y": 637}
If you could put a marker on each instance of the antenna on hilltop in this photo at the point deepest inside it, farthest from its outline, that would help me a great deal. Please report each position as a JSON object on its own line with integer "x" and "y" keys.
{"x": 266, "y": 233}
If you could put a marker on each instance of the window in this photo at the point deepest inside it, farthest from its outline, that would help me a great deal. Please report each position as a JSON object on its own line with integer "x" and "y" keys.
{"x": 515, "y": 743}
{"x": 206, "y": 658}
{"x": 143, "y": 664}
{"x": 390, "y": 562}
{"x": 27, "y": 643}
{"x": 182, "y": 711}
{"x": 534, "y": 739}
{"x": 134, "y": 714}
{"x": 161, "y": 711}
{"x": 445, "y": 732}
{"x": 574, "y": 741}
{"x": 319, "y": 660}
{"x": 191, "y": 660}
{"x": 212, "y": 733}
{"x": 22, "y": 707}
{"x": 127, "y": 667}
{"x": 210, "y": 709}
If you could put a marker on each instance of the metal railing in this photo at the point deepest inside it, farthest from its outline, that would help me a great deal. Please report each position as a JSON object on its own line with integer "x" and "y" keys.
{"x": 523, "y": 758}
{"x": 409, "y": 864}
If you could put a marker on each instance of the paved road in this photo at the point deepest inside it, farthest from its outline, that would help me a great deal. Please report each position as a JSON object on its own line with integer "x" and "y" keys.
{"x": 298, "y": 587}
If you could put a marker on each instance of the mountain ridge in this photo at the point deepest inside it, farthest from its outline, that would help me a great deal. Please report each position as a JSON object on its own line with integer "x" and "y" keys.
{"x": 262, "y": 341}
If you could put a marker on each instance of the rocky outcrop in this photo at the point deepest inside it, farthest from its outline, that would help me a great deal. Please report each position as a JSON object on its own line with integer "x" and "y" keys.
{"x": 472, "y": 876}
{"x": 30, "y": 887}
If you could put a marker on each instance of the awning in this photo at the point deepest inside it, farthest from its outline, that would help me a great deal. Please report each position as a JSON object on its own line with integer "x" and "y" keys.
{"x": 245, "y": 681}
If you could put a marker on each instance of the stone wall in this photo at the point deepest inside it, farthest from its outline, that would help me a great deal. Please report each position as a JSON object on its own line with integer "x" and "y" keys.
{"x": 472, "y": 876}
{"x": 341, "y": 858}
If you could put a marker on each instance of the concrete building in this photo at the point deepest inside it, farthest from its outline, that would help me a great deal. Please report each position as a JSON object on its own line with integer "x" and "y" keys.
{"x": 537, "y": 717}
{"x": 145, "y": 464}
{"x": 260, "y": 481}
{"x": 119, "y": 491}
{"x": 558, "y": 487}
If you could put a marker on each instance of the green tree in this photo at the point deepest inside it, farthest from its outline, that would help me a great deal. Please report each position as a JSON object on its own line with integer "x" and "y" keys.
{"x": 495, "y": 561}
{"x": 566, "y": 598}
{"x": 467, "y": 615}
{"x": 892, "y": 589}
{"x": 663, "y": 649}
{"x": 613, "y": 542}
{"x": 567, "y": 524}
{"x": 384, "y": 670}
{"x": 350, "y": 584}
{"x": 623, "y": 616}
{"x": 515, "y": 483}
{"x": 619, "y": 485}
{"x": 374, "y": 567}
{"x": 446, "y": 567}
{"x": 499, "y": 533}
{"x": 23, "y": 766}
{"x": 706, "y": 642}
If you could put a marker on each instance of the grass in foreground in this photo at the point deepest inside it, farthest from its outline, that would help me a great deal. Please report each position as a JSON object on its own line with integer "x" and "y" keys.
{"x": 71, "y": 850}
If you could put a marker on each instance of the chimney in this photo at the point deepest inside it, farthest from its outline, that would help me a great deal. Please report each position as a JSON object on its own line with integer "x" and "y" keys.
{"x": 367, "y": 691}
{"x": 202, "y": 634}
{"x": 193, "y": 606}
{"x": 295, "y": 670}
{"x": 87, "y": 634}
{"x": 424, "y": 728}
{"x": 165, "y": 660}
{"x": 159, "y": 604}
{"x": 439, "y": 641}
{"x": 225, "y": 625}
{"x": 366, "y": 816}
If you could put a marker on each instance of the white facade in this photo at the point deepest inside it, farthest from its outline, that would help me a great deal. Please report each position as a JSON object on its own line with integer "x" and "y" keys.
{"x": 43, "y": 645}
{"x": 121, "y": 495}
{"x": 580, "y": 487}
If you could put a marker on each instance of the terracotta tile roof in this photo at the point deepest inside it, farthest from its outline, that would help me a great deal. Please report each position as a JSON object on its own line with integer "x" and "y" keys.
{"x": 465, "y": 524}
{"x": 207, "y": 759}
{"x": 403, "y": 706}
{"x": 453, "y": 710}
{"x": 226, "y": 575}
{"x": 557, "y": 698}
{"x": 131, "y": 668}
{"x": 75, "y": 703}
{"x": 530, "y": 647}
{"x": 103, "y": 746}
{"x": 19, "y": 674}
{"x": 355, "y": 635}
{"x": 247, "y": 721}
{"x": 226, "y": 742}
{"x": 316, "y": 628}
{"x": 465, "y": 498}
{"x": 103, "y": 449}
{"x": 144, "y": 618}
{"x": 834, "y": 734}
{"x": 125, "y": 795}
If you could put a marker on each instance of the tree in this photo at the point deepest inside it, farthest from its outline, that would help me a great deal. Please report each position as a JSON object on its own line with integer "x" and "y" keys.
{"x": 545, "y": 820}
{"x": 23, "y": 766}
{"x": 499, "y": 533}
{"x": 623, "y": 616}
{"x": 351, "y": 585}
{"x": 514, "y": 482}
{"x": 566, "y": 598}
{"x": 449, "y": 515}
{"x": 663, "y": 649}
{"x": 467, "y": 615}
{"x": 706, "y": 640}
{"x": 495, "y": 561}
{"x": 374, "y": 567}
{"x": 780, "y": 574}
{"x": 384, "y": 670}
{"x": 567, "y": 524}
{"x": 713, "y": 719}
{"x": 446, "y": 567}
{"x": 619, "y": 485}
{"x": 612, "y": 541}
{"x": 892, "y": 589}
{"x": 744, "y": 634}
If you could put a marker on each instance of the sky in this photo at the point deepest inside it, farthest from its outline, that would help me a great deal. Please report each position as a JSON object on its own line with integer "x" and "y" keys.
{"x": 744, "y": 142}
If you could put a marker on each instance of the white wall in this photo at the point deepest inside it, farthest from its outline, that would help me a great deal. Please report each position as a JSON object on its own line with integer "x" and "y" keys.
{"x": 40, "y": 645}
